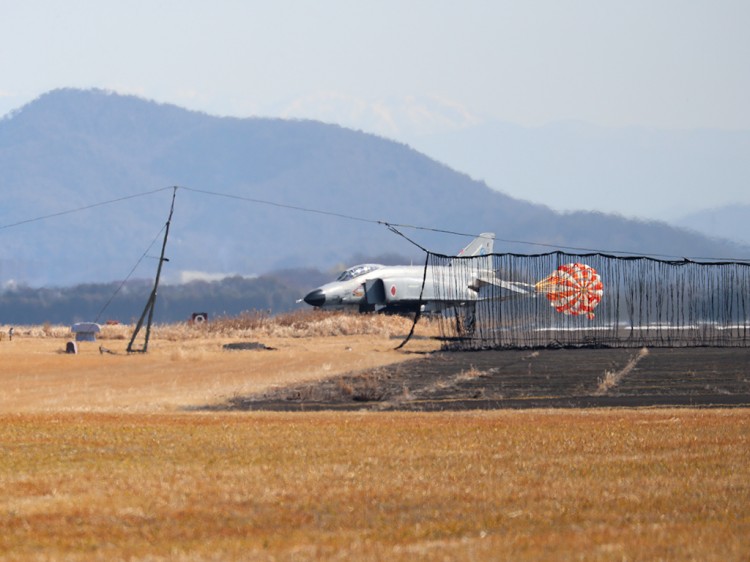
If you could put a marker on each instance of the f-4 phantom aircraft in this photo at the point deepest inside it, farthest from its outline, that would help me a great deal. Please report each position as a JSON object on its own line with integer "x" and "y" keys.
{"x": 372, "y": 287}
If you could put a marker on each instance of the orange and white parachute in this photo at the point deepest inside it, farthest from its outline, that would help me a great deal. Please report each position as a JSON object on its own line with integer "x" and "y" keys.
{"x": 575, "y": 289}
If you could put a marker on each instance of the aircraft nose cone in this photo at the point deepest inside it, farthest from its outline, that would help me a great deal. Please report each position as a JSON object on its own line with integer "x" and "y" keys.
{"x": 315, "y": 298}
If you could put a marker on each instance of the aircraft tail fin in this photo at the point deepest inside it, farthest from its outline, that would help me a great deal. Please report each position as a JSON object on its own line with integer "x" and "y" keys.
{"x": 480, "y": 246}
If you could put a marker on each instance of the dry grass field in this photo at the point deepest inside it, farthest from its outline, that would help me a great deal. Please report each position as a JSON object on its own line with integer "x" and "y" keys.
{"x": 99, "y": 462}
{"x": 187, "y": 365}
{"x": 606, "y": 485}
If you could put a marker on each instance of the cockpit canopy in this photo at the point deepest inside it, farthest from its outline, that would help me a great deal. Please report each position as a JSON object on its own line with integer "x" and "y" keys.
{"x": 358, "y": 270}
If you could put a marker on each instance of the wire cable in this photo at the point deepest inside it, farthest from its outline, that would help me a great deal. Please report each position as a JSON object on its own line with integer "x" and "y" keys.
{"x": 122, "y": 284}
{"x": 390, "y": 225}
{"x": 281, "y": 205}
{"x": 85, "y": 207}
{"x": 393, "y": 226}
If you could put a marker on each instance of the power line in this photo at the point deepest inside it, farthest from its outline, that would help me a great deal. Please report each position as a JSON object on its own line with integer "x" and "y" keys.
{"x": 393, "y": 226}
{"x": 85, "y": 207}
{"x": 281, "y": 205}
{"x": 390, "y": 225}
{"x": 122, "y": 284}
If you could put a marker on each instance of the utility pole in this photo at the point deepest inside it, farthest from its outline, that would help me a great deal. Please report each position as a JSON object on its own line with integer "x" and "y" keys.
{"x": 149, "y": 309}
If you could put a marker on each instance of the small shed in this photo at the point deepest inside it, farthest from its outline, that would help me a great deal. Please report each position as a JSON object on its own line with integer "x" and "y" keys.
{"x": 86, "y": 331}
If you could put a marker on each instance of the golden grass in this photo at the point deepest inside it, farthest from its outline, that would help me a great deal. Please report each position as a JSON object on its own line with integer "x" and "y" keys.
{"x": 612, "y": 378}
{"x": 300, "y": 324}
{"x": 96, "y": 465}
{"x": 252, "y": 324}
{"x": 188, "y": 366}
{"x": 601, "y": 485}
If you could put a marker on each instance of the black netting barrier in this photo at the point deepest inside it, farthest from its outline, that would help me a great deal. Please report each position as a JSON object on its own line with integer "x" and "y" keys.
{"x": 588, "y": 300}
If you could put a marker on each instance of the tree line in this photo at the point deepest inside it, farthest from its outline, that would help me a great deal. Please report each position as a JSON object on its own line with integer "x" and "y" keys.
{"x": 124, "y": 303}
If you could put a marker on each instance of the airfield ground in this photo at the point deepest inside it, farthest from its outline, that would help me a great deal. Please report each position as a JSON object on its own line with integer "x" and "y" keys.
{"x": 616, "y": 454}
{"x": 38, "y": 376}
{"x": 559, "y": 378}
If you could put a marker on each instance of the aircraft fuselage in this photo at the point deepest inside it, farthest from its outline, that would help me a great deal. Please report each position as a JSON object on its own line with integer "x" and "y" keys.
{"x": 370, "y": 287}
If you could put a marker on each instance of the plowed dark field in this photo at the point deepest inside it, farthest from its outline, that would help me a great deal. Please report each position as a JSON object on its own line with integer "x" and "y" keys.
{"x": 560, "y": 378}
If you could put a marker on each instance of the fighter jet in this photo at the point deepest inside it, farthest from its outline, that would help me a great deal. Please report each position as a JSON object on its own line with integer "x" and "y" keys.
{"x": 373, "y": 287}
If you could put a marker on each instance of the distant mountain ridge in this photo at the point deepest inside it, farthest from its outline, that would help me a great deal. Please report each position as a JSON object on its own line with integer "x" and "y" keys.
{"x": 71, "y": 149}
{"x": 731, "y": 222}
{"x": 632, "y": 171}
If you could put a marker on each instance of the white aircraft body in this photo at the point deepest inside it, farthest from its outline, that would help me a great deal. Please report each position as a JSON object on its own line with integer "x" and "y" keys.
{"x": 399, "y": 288}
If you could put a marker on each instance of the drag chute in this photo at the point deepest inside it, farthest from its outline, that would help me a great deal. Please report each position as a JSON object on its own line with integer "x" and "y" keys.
{"x": 575, "y": 289}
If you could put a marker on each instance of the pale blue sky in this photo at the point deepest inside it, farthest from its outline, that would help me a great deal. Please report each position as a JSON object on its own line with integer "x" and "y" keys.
{"x": 397, "y": 68}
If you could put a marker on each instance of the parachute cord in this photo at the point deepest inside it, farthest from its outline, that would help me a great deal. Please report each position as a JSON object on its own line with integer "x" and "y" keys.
{"x": 418, "y": 314}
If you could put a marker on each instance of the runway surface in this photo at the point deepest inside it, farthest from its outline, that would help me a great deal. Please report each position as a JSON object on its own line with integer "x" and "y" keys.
{"x": 559, "y": 378}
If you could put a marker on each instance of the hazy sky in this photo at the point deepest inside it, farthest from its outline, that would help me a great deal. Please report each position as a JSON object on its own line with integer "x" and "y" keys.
{"x": 398, "y": 68}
